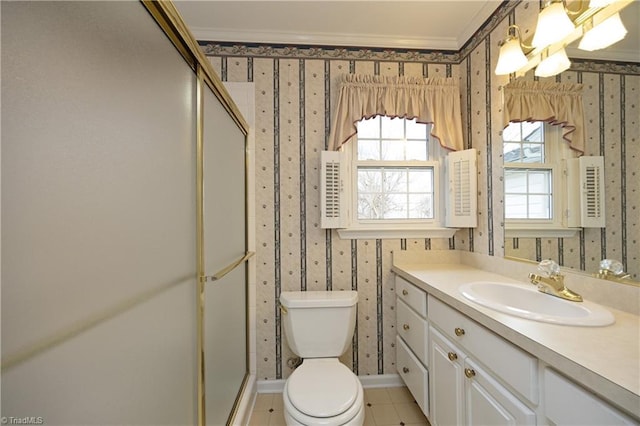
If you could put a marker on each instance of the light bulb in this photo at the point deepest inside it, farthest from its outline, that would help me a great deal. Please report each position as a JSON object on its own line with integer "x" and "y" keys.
{"x": 553, "y": 64}
{"x": 553, "y": 25}
{"x": 610, "y": 31}
{"x": 511, "y": 57}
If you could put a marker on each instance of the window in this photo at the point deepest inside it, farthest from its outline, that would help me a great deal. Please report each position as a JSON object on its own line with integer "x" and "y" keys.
{"x": 391, "y": 180}
{"x": 534, "y": 176}
{"x": 395, "y": 178}
{"x": 528, "y": 189}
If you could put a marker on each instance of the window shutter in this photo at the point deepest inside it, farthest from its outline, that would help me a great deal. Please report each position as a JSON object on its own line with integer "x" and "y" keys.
{"x": 332, "y": 188}
{"x": 462, "y": 200}
{"x": 586, "y": 192}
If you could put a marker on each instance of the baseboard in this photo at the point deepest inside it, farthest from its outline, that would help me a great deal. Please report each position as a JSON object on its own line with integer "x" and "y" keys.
{"x": 271, "y": 386}
{"x": 381, "y": 381}
{"x": 369, "y": 381}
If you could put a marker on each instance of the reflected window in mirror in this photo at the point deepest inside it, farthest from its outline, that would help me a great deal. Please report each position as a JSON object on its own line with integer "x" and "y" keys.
{"x": 534, "y": 179}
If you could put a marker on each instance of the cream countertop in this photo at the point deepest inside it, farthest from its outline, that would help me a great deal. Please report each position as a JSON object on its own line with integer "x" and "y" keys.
{"x": 606, "y": 360}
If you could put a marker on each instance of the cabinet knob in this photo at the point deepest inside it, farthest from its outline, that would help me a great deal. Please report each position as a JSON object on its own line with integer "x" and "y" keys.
{"x": 405, "y": 370}
{"x": 404, "y": 292}
{"x": 405, "y": 327}
{"x": 469, "y": 372}
{"x": 459, "y": 331}
{"x": 452, "y": 356}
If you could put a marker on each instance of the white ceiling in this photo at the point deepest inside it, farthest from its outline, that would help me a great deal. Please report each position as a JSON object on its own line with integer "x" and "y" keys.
{"x": 427, "y": 24}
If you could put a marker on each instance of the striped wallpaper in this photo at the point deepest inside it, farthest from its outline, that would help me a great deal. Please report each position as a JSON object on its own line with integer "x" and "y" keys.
{"x": 296, "y": 87}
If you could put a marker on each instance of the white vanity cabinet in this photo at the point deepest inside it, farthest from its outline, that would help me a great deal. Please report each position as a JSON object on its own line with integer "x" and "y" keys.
{"x": 458, "y": 371}
{"x": 475, "y": 372}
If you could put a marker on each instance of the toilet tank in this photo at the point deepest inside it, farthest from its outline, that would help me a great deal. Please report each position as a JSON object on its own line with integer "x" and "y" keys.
{"x": 319, "y": 324}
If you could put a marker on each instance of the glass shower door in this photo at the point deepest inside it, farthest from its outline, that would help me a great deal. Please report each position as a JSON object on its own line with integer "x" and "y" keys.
{"x": 225, "y": 250}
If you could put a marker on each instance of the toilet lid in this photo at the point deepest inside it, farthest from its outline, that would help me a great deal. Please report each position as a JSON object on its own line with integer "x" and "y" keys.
{"x": 322, "y": 388}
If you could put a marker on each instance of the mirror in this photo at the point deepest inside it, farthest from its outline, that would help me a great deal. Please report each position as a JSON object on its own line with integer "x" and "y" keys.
{"x": 611, "y": 130}
{"x": 537, "y": 191}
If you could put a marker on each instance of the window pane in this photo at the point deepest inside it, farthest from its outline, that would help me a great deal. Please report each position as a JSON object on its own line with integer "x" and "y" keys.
{"x": 420, "y": 206}
{"x": 515, "y": 181}
{"x": 540, "y": 182}
{"x": 539, "y": 207}
{"x": 369, "y": 128}
{"x": 421, "y": 180}
{"x": 369, "y": 206}
{"x": 532, "y": 131}
{"x": 369, "y": 180}
{"x": 524, "y": 142}
{"x": 417, "y": 150}
{"x": 392, "y": 150}
{"x": 416, "y": 130}
{"x": 395, "y": 180}
{"x": 533, "y": 153}
{"x": 368, "y": 149}
{"x": 515, "y": 206}
{"x": 528, "y": 194}
{"x": 395, "y": 193}
{"x": 512, "y": 153}
{"x": 395, "y": 206}
{"x": 512, "y": 133}
{"x": 392, "y": 128}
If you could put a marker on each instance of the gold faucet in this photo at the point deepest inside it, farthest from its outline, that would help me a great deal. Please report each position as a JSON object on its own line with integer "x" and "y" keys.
{"x": 554, "y": 285}
{"x": 612, "y": 270}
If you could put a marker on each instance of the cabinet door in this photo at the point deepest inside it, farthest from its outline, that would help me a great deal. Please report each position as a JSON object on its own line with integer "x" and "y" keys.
{"x": 489, "y": 403}
{"x": 562, "y": 396}
{"x": 446, "y": 381}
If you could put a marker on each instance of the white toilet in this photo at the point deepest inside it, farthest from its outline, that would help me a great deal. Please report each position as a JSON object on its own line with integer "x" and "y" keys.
{"x": 322, "y": 391}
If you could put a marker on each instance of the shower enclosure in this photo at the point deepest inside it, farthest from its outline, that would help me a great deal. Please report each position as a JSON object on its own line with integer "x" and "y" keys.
{"x": 124, "y": 238}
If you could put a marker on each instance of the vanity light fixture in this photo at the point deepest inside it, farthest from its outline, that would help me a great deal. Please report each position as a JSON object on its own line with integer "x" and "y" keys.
{"x": 599, "y": 25}
{"x": 604, "y": 34}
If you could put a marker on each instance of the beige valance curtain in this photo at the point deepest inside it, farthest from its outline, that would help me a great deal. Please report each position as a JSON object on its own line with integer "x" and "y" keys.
{"x": 548, "y": 101}
{"x": 429, "y": 100}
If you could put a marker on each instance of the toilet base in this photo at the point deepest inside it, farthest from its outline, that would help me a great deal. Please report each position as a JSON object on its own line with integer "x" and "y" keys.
{"x": 308, "y": 373}
{"x": 358, "y": 420}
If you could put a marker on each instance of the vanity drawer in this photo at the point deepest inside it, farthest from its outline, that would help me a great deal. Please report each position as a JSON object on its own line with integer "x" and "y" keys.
{"x": 511, "y": 364}
{"x": 413, "y": 329}
{"x": 414, "y": 375}
{"x": 412, "y": 296}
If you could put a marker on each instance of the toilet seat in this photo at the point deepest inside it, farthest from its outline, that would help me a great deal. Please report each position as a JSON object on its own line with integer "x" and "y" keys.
{"x": 324, "y": 392}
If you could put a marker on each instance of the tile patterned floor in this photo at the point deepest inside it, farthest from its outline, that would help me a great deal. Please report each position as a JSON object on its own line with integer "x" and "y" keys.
{"x": 383, "y": 407}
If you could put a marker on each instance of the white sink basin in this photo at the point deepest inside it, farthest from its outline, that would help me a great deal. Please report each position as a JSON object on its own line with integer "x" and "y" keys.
{"x": 527, "y": 302}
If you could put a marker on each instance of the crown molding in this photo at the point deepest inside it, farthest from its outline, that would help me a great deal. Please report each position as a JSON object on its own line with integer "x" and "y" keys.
{"x": 477, "y": 23}
{"x": 324, "y": 39}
